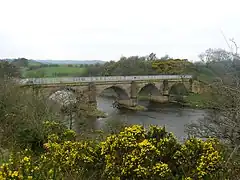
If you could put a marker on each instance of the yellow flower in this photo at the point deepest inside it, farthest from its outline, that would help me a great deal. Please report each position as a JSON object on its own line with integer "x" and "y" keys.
{"x": 14, "y": 174}
{"x": 50, "y": 172}
{"x": 26, "y": 159}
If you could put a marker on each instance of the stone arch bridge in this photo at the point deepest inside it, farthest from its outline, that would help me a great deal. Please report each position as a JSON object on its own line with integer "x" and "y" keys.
{"x": 157, "y": 87}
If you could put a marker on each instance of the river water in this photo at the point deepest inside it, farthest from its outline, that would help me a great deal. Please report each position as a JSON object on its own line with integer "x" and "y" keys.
{"x": 172, "y": 117}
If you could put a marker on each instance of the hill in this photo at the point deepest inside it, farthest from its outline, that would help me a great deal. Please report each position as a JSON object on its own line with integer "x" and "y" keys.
{"x": 55, "y": 72}
{"x": 71, "y": 61}
{"x": 31, "y": 61}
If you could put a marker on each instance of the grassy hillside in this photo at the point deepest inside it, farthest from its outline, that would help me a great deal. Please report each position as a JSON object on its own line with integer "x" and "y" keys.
{"x": 33, "y": 63}
{"x": 55, "y": 71}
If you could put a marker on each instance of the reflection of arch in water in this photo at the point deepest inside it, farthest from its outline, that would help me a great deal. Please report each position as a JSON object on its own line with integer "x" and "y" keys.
{"x": 149, "y": 89}
{"x": 178, "y": 89}
{"x": 120, "y": 92}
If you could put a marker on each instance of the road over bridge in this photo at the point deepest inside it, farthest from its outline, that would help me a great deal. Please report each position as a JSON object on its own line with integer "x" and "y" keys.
{"x": 157, "y": 87}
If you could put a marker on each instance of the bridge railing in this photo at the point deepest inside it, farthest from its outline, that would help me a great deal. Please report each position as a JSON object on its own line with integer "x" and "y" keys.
{"x": 99, "y": 79}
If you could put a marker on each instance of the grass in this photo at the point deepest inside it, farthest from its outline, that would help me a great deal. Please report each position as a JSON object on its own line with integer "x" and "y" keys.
{"x": 55, "y": 72}
{"x": 197, "y": 100}
{"x": 34, "y": 63}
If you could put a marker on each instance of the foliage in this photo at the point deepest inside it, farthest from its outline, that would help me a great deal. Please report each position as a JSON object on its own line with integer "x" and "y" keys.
{"x": 151, "y": 57}
{"x": 8, "y": 70}
{"x": 171, "y": 66}
{"x": 198, "y": 100}
{"x": 223, "y": 120}
{"x": 20, "y": 62}
{"x": 22, "y": 113}
{"x": 215, "y": 55}
{"x": 126, "y": 66}
{"x": 224, "y": 97}
{"x": 134, "y": 153}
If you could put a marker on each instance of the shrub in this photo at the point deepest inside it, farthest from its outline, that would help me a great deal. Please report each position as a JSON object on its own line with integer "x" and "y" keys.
{"x": 134, "y": 153}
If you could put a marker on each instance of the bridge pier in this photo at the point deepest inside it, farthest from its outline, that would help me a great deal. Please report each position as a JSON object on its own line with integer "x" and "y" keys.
{"x": 134, "y": 92}
{"x": 92, "y": 93}
{"x": 132, "y": 101}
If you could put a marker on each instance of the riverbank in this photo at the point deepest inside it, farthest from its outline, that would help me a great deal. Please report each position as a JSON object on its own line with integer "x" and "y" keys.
{"x": 197, "y": 101}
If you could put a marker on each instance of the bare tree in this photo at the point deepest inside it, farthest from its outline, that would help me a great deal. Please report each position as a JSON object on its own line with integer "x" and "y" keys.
{"x": 223, "y": 120}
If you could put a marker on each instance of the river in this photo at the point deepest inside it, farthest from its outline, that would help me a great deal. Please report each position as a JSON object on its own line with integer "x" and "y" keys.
{"x": 173, "y": 118}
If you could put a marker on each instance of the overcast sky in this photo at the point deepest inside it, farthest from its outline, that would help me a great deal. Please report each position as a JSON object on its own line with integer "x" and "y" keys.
{"x": 108, "y": 29}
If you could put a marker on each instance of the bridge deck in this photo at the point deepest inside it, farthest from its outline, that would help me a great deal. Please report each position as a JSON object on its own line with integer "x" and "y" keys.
{"x": 99, "y": 79}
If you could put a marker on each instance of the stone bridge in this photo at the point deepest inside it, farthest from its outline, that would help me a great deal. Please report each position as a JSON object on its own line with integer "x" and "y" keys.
{"x": 128, "y": 88}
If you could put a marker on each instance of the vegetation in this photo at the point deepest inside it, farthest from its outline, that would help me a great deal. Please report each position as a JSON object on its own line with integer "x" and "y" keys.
{"x": 33, "y": 148}
{"x": 134, "y": 65}
{"x": 198, "y": 100}
{"x": 8, "y": 70}
{"x": 23, "y": 112}
{"x": 171, "y": 66}
{"x": 223, "y": 120}
{"x": 134, "y": 153}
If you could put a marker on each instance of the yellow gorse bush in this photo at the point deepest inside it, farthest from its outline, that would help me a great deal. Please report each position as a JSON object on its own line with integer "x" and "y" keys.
{"x": 134, "y": 153}
{"x": 19, "y": 167}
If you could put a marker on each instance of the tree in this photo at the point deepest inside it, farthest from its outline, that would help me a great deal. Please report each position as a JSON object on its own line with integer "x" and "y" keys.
{"x": 223, "y": 120}
{"x": 8, "y": 70}
{"x": 22, "y": 114}
{"x": 126, "y": 66}
{"x": 215, "y": 55}
{"x": 151, "y": 57}
{"x": 20, "y": 62}
{"x": 171, "y": 66}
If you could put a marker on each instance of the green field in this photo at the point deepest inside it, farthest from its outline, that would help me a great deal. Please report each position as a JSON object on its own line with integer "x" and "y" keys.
{"x": 55, "y": 72}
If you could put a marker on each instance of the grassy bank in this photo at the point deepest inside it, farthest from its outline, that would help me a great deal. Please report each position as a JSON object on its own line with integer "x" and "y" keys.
{"x": 197, "y": 100}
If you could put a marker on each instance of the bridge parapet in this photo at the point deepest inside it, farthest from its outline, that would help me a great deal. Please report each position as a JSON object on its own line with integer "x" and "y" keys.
{"x": 100, "y": 79}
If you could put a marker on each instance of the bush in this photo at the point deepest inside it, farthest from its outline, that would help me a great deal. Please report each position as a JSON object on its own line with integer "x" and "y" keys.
{"x": 22, "y": 115}
{"x": 134, "y": 153}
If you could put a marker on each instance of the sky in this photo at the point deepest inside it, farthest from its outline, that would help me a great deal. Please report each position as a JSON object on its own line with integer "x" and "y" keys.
{"x": 109, "y": 29}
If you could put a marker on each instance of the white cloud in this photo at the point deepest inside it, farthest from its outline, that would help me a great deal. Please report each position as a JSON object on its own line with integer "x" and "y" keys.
{"x": 107, "y": 29}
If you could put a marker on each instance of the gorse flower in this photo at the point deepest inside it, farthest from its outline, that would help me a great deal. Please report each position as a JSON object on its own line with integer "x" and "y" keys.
{"x": 134, "y": 153}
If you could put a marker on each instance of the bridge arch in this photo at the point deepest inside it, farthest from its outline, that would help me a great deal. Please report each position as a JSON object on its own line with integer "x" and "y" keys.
{"x": 178, "y": 89}
{"x": 54, "y": 90}
{"x": 120, "y": 92}
{"x": 149, "y": 89}
{"x": 63, "y": 96}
